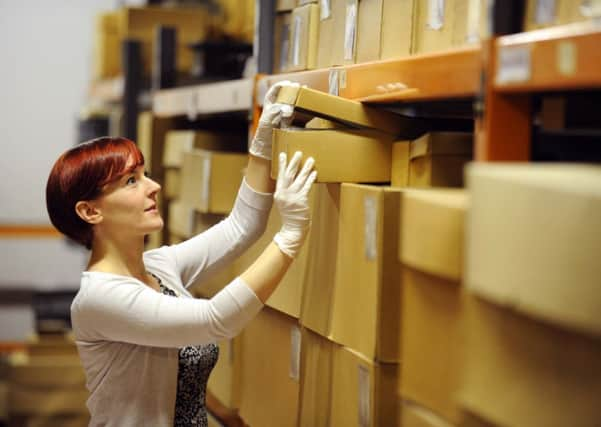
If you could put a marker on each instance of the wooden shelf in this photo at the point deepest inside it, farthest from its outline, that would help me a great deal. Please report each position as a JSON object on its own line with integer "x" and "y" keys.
{"x": 445, "y": 75}
{"x": 567, "y": 57}
{"x": 109, "y": 90}
{"x": 210, "y": 98}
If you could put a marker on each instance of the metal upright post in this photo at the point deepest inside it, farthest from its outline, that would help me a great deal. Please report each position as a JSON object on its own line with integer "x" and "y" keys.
{"x": 132, "y": 84}
{"x": 264, "y": 35}
{"x": 164, "y": 70}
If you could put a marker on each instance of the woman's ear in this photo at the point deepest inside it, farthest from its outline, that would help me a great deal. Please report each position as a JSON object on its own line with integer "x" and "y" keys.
{"x": 88, "y": 212}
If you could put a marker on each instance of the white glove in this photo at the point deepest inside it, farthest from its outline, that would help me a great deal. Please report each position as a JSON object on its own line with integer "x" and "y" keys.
{"x": 273, "y": 115}
{"x": 292, "y": 202}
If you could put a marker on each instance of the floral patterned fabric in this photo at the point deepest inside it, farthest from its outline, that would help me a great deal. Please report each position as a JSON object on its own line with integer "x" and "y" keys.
{"x": 195, "y": 366}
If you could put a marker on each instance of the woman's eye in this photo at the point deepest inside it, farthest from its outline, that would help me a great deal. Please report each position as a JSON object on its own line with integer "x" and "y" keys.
{"x": 130, "y": 180}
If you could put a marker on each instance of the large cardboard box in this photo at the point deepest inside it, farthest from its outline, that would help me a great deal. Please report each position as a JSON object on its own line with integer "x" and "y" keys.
{"x": 317, "y": 358}
{"x": 211, "y": 180}
{"x": 437, "y": 159}
{"x": 384, "y": 29}
{"x": 335, "y": 108}
{"x": 270, "y": 370}
{"x": 285, "y": 5}
{"x": 366, "y": 310}
{"x": 151, "y": 141}
{"x": 521, "y": 372}
{"x": 186, "y": 222}
{"x": 397, "y": 28}
{"x": 364, "y": 391}
{"x": 431, "y": 249}
{"x": 172, "y": 183}
{"x": 107, "y": 58}
{"x": 304, "y": 37}
{"x": 177, "y": 142}
{"x": 321, "y": 259}
{"x": 534, "y": 238}
{"x": 548, "y": 13}
{"x": 399, "y": 173}
{"x": 224, "y": 381}
{"x": 332, "y": 19}
{"x": 281, "y": 42}
{"x": 340, "y": 156}
{"x": 441, "y": 25}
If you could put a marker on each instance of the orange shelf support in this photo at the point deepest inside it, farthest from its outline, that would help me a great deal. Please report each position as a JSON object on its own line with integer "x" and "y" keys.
{"x": 566, "y": 57}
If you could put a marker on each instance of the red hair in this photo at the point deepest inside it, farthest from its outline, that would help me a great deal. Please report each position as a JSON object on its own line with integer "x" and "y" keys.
{"x": 80, "y": 174}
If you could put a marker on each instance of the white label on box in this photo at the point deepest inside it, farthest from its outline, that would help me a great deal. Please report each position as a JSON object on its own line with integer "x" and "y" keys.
{"x": 295, "y": 349}
{"x": 325, "y": 10}
{"x": 350, "y": 30}
{"x": 435, "y": 14}
{"x": 205, "y": 187}
{"x": 342, "y": 79}
{"x": 566, "y": 58}
{"x": 333, "y": 82}
{"x": 545, "y": 12}
{"x": 514, "y": 64}
{"x": 371, "y": 223}
{"x": 364, "y": 392}
{"x": 473, "y": 21}
{"x": 284, "y": 47}
{"x": 296, "y": 40}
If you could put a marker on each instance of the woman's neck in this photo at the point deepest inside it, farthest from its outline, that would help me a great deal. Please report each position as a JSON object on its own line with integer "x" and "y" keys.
{"x": 118, "y": 257}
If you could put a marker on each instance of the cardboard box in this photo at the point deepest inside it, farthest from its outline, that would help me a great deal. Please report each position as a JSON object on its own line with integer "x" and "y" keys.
{"x": 549, "y": 13}
{"x": 533, "y": 239}
{"x": 439, "y": 26}
{"x": 48, "y": 372}
{"x": 211, "y": 180}
{"x": 335, "y": 108}
{"x": 177, "y": 142}
{"x": 369, "y": 30}
{"x": 317, "y": 358}
{"x": 107, "y": 58}
{"x": 366, "y": 157}
{"x": 151, "y": 141}
{"x": 363, "y": 391}
{"x": 522, "y": 372}
{"x": 397, "y": 28}
{"x": 366, "y": 309}
{"x": 285, "y": 5}
{"x": 281, "y": 42}
{"x": 41, "y": 401}
{"x": 224, "y": 381}
{"x": 184, "y": 221}
{"x": 399, "y": 173}
{"x": 304, "y": 37}
{"x": 437, "y": 159}
{"x": 270, "y": 370}
{"x": 431, "y": 249}
{"x": 415, "y": 415}
{"x": 332, "y": 20}
{"x": 321, "y": 259}
{"x": 433, "y": 231}
{"x": 172, "y": 183}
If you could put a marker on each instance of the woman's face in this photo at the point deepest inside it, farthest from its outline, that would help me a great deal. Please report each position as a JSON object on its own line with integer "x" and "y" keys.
{"x": 128, "y": 205}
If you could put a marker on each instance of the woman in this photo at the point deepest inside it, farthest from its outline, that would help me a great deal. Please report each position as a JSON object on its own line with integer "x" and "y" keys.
{"x": 145, "y": 343}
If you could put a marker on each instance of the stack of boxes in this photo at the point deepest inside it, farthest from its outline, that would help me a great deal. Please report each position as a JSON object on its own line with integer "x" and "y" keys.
{"x": 312, "y": 34}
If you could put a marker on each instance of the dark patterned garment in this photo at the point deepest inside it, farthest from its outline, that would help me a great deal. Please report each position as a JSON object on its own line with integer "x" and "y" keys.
{"x": 195, "y": 366}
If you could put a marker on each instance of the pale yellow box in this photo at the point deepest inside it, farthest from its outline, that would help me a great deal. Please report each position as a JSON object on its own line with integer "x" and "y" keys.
{"x": 172, "y": 183}
{"x": 437, "y": 159}
{"x": 330, "y": 50}
{"x": 340, "y": 156}
{"x": 211, "y": 180}
{"x": 281, "y": 42}
{"x": 366, "y": 309}
{"x": 177, "y": 142}
{"x": 304, "y": 38}
{"x": 399, "y": 173}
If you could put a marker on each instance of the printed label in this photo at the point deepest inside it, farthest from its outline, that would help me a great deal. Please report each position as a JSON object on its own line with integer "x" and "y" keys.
{"x": 473, "y": 21}
{"x": 205, "y": 185}
{"x": 333, "y": 82}
{"x": 566, "y": 58}
{"x": 325, "y": 10}
{"x": 295, "y": 349}
{"x": 514, "y": 64}
{"x": 545, "y": 12}
{"x": 371, "y": 213}
{"x": 435, "y": 14}
{"x": 298, "y": 21}
{"x": 364, "y": 406}
{"x": 350, "y": 29}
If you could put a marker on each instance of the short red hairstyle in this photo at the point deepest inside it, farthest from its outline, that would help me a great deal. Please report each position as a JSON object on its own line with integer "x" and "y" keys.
{"x": 80, "y": 174}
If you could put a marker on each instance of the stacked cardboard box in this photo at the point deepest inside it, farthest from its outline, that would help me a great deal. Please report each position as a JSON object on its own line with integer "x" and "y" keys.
{"x": 543, "y": 14}
{"x": 532, "y": 325}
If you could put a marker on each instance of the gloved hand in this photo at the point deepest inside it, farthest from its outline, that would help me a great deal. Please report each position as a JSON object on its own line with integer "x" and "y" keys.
{"x": 272, "y": 116}
{"x": 292, "y": 202}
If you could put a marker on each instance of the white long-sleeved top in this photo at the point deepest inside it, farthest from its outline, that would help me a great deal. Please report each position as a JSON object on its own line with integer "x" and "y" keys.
{"x": 128, "y": 335}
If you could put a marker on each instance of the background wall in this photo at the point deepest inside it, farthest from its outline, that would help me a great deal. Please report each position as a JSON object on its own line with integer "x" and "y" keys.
{"x": 46, "y": 54}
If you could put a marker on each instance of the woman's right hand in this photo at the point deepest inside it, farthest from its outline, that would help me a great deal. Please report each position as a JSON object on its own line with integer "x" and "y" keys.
{"x": 291, "y": 200}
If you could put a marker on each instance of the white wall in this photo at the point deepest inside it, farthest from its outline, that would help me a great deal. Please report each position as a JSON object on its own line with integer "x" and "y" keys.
{"x": 45, "y": 67}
